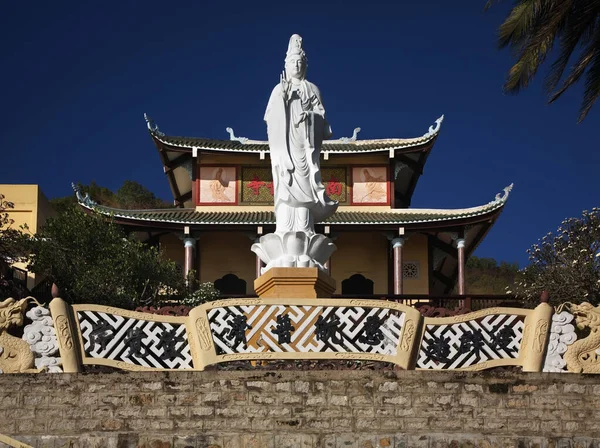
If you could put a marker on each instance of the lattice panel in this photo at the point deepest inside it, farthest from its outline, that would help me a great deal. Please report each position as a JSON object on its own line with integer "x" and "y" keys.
{"x": 143, "y": 343}
{"x": 282, "y": 328}
{"x": 257, "y": 184}
{"x": 410, "y": 270}
{"x": 460, "y": 345}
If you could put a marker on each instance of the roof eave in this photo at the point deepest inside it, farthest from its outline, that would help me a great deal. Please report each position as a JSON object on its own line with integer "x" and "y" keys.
{"x": 404, "y": 145}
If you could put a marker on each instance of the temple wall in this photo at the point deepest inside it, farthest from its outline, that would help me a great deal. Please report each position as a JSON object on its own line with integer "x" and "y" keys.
{"x": 25, "y": 198}
{"x": 172, "y": 247}
{"x": 363, "y": 253}
{"x": 366, "y": 253}
{"x": 415, "y": 250}
{"x": 306, "y": 409}
{"x": 223, "y": 253}
{"x": 31, "y": 209}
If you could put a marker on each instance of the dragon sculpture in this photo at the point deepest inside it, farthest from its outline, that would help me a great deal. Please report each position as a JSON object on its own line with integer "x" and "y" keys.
{"x": 15, "y": 354}
{"x": 583, "y": 356}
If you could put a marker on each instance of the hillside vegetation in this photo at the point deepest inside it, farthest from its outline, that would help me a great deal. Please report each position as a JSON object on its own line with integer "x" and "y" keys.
{"x": 487, "y": 276}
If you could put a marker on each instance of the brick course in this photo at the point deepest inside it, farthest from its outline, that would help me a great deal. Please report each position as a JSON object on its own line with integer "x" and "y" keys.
{"x": 352, "y": 409}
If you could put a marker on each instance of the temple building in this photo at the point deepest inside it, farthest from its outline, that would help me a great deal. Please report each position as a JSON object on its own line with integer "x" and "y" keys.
{"x": 223, "y": 197}
{"x": 30, "y": 210}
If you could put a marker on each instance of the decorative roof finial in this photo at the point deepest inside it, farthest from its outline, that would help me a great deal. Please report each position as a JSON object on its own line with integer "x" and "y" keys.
{"x": 232, "y": 136}
{"x": 152, "y": 127}
{"x": 351, "y": 139}
{"x": 503, "y": 197}
{"x": 84, "y": 200}
{"x": 434, "y": 129}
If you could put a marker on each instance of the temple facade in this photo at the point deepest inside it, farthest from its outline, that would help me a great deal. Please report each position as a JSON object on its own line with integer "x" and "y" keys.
{"x": 31, "y": 210}
{"x": 223, "y": 197}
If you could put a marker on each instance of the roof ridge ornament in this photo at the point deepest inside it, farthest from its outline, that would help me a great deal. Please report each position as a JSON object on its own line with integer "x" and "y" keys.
{"x": 503, "y": 197}
{"x": 84, "y": 200}
{"x": 351, "y": 139}
{"x": 233, "y": 138}
{"x": 152, "y": 127}
{"x": 434, "y": 129}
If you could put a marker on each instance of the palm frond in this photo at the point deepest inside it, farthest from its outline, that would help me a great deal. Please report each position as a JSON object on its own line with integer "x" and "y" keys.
{"x": 578, "y": 30}
{"x": 531, "y": 29}
{"x": 517, "y": 26}
{"x": 527, "y": 65}
{"x": 585, "y": 59}
{"x": 592, "y": 82}
{"x": 489, "y": 3}
{"x": 539, "y": 41}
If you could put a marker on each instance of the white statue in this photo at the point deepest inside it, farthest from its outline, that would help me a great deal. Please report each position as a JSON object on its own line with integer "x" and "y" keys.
{"x": 296, "y": 126}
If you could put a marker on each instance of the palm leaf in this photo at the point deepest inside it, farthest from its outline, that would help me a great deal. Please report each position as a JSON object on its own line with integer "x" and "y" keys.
{"x": 517, "y": 26}
{"x": 579, "y": 29}
{"x": 579, "y": 68}
{"x": 531, "y": 29}
{"x": 540, "y": 40}
{"x": 592, "y": 81}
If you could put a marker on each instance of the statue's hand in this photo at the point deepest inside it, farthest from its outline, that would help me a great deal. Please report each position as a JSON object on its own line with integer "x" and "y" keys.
{"x": 302, "y": 118}
{"x": 285, "y": 85}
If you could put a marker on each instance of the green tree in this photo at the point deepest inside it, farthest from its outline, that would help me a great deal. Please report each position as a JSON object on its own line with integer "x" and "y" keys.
{"x": 101, "y": 195}
{"x": 565, "y": 263}
{"x": 12, "y": 249}
{"x": 481, "y": 263}
{"x": 62, "y": 204}
{"x": 531, "y": 30}
{"x": 486, "y": 276}
{"x": 133, "y": 195}
{"x": 91, "y": 260}
{"x": 7, "y": 232}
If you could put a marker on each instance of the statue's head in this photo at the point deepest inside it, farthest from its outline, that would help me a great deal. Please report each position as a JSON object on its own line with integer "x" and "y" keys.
{"x": 295, "y": 59}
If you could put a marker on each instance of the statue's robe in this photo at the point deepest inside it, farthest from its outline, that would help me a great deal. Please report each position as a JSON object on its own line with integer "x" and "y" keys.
{"x": 295, "y": 149}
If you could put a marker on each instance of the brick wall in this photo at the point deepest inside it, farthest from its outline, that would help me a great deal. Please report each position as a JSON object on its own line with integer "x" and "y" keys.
{"x": 302, "y": 409}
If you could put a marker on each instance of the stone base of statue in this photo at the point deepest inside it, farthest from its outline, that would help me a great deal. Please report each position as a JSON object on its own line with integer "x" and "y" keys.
{"x": 294, "y": 250}
{"x": 294, "y": 283}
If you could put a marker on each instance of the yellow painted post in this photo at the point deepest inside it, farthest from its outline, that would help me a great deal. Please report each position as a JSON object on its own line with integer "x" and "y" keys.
{"x": 67, "y": 340}
{"x": 408, "y": 348}
{"x": 202, "y": 347}
{"x": 535, "y": 338}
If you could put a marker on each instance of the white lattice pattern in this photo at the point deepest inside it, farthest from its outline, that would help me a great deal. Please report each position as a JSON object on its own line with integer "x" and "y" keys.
{"x": 120, "y": 329}
{"x": 452, "y": 336}
{"x": 351, "y": 323}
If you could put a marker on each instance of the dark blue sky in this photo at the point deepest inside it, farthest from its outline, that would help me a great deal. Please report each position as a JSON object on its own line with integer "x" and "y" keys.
{"x": 78, "y": 76}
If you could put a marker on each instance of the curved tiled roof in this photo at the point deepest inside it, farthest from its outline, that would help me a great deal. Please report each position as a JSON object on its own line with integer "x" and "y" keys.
{"x": 344, "y": 145}
{"x": 234, "y": 215}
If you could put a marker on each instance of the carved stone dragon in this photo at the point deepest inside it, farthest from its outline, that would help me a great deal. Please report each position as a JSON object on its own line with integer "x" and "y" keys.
{"x": 583, "y": 355}
{"x": 15, "y": 354}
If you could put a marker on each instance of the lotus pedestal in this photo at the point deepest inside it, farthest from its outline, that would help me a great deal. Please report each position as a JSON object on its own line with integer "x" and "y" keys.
{"x": 294, "y": 283}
